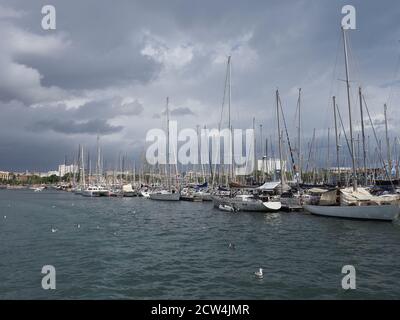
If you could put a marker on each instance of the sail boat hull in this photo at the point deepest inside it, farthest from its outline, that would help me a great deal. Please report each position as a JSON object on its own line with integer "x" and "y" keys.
{"x": 249, "y": 205}
{"x": 372, "y": 212}
{"x": 165, "y": 196}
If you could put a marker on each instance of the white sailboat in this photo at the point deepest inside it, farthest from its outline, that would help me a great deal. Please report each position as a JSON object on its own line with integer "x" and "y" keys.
{"x": 170, "y": 194}
{"x": 357, "y": 203}
{"x": 247, "y": 203}
{"x": 165, "y": 195}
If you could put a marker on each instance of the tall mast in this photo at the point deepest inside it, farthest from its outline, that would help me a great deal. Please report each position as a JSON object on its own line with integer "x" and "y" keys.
{"x": 262, "y": 152}
{"x": 229, "y": 117}
{"x": 168, "y": 164}
{"x": 337, "y": 140}
{"x": 299, "y": 138}
{"x": 90, "y": 168}
{"x": 387, "y": 141}
{"x": 348, "y": 103}
{"x": 279, "y": 139}
{"x": 83, "y": 167}
{"x": 363, "y": 137}
{"x": 328, "y": 158}
{"x": 255, "y": 149}
{"x": 229, "y": 92}
{"x": 98, "y": 161}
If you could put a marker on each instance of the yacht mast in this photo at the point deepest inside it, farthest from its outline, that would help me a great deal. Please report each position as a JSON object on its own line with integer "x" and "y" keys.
{"x": 363, "y": 137}
{"x": 98, "y": 161}
{"x": 231, "y": 173}
{"x": 387, "y": 141}
{"x": 337, "y": 140}
{"x": 168, "y": 164}
{"x": 279, "y": 140}
{"x": 349, "y": 106}
{"x": 299, "y": 138}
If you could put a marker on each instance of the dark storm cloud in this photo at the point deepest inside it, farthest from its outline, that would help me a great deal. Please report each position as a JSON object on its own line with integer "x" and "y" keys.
{"x": 102, "y": 45}
{"x": 96, "y": 126}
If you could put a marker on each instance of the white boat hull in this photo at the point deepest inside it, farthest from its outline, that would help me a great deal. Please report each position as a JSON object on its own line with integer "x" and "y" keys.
{"x": 225, "y": 207}
{"x": 90, "y": 193}
{"x": 250, "y": 206}
{"x": 144, "y": 194}
{"x": 373, "y": 212}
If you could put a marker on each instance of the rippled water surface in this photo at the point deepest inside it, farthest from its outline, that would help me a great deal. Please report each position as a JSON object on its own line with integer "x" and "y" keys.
{"x": 135, "y": 248}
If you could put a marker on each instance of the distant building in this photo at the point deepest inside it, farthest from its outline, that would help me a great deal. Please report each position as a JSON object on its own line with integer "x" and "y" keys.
{"x": 23, "y": 177}
{"x": 4, "y": 175}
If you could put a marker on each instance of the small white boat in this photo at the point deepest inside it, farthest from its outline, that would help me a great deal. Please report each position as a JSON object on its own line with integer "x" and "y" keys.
{"x": 165, "y": 195}
{"x": 37, "y": 189}
{"x": 225, "y": 207}
{"x": 144, "y": 194}
{"x": 95, "y": 191}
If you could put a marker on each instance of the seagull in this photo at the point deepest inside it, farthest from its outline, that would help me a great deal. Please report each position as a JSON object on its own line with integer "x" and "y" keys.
{"x": 5, "y": 217}
{"x": 53, "y": 230}
{"x": 78, "y": 225}
{"x": 259, "y": 273}
{"x": 232, "y": 246}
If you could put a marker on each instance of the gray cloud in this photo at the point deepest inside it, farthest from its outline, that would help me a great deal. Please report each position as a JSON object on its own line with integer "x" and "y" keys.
{"x": 182, "y": 111}
{"x": 107, "y": 108}
{"x": 179, "y": 111}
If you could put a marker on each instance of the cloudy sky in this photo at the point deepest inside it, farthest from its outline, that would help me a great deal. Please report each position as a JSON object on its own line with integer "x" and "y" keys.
{"x": 109, "y": 66}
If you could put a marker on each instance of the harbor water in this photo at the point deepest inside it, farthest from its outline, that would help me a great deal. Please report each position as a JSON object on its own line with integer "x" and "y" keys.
{"x": 136, "y": 248}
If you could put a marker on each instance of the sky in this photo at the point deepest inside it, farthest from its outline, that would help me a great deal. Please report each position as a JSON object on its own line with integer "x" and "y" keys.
{"x": 108, "y": 67}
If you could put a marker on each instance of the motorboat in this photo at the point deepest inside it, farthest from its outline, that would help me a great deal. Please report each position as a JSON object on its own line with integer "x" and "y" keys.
{"x": 95, "y": 191}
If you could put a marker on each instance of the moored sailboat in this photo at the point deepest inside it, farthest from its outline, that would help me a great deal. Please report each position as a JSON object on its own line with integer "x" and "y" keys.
{"x": 357, "y": 203}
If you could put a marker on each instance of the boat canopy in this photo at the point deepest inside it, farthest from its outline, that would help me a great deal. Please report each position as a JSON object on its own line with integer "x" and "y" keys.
{"x": 269, "y": 186}
{"x": 127, "y": 187}
{"x": 362, "y": 195}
